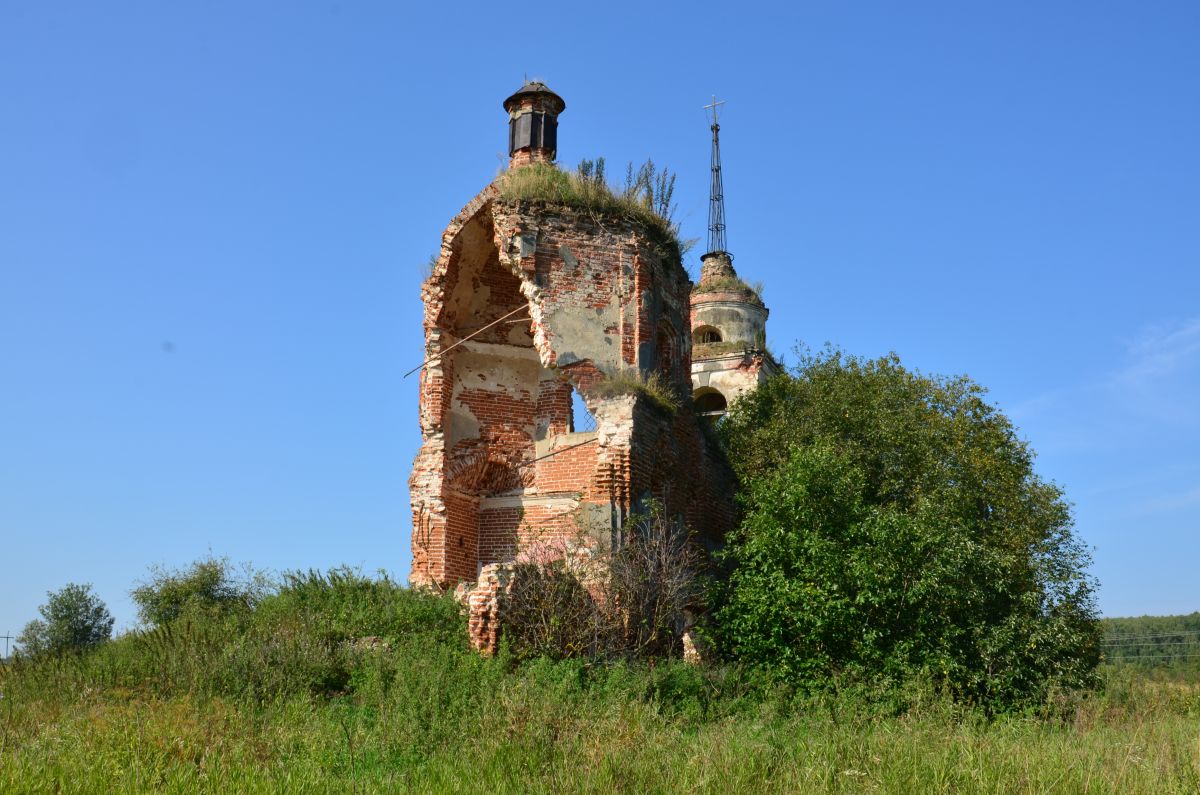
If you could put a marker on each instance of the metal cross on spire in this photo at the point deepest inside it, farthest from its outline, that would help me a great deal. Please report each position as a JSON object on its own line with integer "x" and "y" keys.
{"x": 716, "y": 191}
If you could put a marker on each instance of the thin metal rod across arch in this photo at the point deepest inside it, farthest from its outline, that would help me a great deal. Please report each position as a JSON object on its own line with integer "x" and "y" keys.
{"x": 432, "y": 359}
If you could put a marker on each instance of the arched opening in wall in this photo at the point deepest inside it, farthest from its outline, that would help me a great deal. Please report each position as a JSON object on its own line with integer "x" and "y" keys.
{"x": 490, "y": 405}
{"x": 483, "y": 297}
{"x": 582, "y": 419}
{"x": 710, "y": 405}
{"x": 703, "y": 335}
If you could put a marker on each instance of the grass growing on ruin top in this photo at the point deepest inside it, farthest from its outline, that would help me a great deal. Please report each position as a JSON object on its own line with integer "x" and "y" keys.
{"x": 631, "y": 382}
{"x": 730, "y": 284}
{"x": 544, "y": 182}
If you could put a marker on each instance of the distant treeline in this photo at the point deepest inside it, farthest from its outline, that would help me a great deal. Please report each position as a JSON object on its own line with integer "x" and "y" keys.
{"x": 1152, "y": 640}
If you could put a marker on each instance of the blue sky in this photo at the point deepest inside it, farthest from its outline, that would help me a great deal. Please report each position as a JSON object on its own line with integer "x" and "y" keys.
{"x": 214, "y": 218}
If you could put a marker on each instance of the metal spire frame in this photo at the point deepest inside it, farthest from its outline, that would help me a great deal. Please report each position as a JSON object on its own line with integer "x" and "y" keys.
{"x": 716, "y": 190}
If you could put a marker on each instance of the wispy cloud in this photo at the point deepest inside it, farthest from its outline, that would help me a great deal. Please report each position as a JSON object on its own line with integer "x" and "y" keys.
{"x": 1161, "y": 351}
{"x": 1038, "y": 404}
{"x": 1160, "y": 380}
{"x": 1152, "y": 393}
{"x": 1186, "y": 499}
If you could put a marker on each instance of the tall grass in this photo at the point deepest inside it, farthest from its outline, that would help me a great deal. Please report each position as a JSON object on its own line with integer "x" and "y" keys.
{"x": 547, "y": 183}
{"x": 340, "y": 683}
{"x": 635, "y": 382}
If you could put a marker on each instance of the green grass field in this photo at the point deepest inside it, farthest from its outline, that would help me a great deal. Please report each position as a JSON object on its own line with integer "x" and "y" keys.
{"x": 285, "y": 700}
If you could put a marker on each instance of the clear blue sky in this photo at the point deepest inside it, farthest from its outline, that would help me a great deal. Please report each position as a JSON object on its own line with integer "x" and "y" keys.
{"x": 214, "y": 217}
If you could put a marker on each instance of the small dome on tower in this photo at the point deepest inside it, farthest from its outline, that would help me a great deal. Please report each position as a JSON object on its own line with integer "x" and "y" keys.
{"x": 533, "y": 124}
{"x": 534, "y": 88}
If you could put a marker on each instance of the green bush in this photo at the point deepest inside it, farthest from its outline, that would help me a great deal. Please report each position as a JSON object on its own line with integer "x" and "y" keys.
{"x": 209, "y": 585}
{"x": 342, "y": 604}
{"x": 895, "y": 531}
{"x": 73, "y": 619}
{"x": 311, "y": 637}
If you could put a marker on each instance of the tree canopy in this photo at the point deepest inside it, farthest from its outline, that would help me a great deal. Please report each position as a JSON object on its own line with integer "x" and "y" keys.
{"x": 894, "y": 527}
{"x": 73, "y": 618}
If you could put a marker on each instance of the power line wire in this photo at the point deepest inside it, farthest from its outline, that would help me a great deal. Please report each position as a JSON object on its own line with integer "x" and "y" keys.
{"x": 1154, "y": 635}
{"x": 1138, "y": 659}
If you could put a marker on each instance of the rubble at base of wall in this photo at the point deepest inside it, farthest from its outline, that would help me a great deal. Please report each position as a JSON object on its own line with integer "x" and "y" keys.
{"x": 483, "y": 605}
{"x": 484, "y": 600}
{"x": 485, "y": 597}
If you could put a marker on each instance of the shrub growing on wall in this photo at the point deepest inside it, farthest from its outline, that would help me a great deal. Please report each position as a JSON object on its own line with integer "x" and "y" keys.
{"x": 895, "y": 529}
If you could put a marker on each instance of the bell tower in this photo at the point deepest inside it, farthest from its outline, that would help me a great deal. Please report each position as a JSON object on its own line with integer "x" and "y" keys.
{"x": 729, "y": 318}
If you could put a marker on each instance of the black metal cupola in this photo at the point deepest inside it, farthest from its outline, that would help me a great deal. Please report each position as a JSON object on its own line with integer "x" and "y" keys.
{"x": 533, "y": 124}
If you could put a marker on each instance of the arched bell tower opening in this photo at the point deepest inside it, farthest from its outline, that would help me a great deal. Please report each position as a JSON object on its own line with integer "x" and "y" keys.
{"x": 710, "y": 404}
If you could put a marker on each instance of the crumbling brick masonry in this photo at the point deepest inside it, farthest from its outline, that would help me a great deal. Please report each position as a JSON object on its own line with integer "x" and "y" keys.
{"x": 528, "y": 303}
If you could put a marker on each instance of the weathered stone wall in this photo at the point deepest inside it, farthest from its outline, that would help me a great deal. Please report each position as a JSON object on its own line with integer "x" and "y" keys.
{"x": 737, "y": 319}
{"x": 733, "y": 374}
{"x": 579, "y": 299}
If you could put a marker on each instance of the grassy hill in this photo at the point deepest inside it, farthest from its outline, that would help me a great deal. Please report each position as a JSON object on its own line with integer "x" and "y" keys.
{"x": 340, "y": 683}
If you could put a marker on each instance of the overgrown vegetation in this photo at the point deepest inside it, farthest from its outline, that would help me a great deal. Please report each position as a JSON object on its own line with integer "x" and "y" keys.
{"x": 895, "y": 530}
{"x": 633, "y": 381}
{"x": 306, "y": 635}
{"x": 646, "y": 198}
{"x": 73, "y": 619}
{"x": 730, "y": 284}
{"x": 906, "y": 610}
{"x": 337, "y": 682}
{"x": 207, "y": 586}
{"x": 632, "y": 603}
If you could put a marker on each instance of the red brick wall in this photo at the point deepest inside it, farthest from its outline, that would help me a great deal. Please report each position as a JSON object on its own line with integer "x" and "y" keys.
{"x": 498, "y": 532}
{"x": 572, "y": 470}
{"x": 571, "y": 263}
{"x": 553, "y": 411}
{"x": 461, "y": 541}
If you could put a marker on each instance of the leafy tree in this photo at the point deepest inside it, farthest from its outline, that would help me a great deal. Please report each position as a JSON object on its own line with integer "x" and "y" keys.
{"x": 72, "y": 618}
{"x": 210, "y": 585}
{"x": 894, "y": 529}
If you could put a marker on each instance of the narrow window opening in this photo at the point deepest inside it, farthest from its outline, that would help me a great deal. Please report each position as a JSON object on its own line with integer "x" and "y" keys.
{"x": 582, "y": 420}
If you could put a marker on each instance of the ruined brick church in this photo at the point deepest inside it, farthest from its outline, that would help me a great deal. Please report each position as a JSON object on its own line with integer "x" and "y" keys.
{"x": 539, "y": 311}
